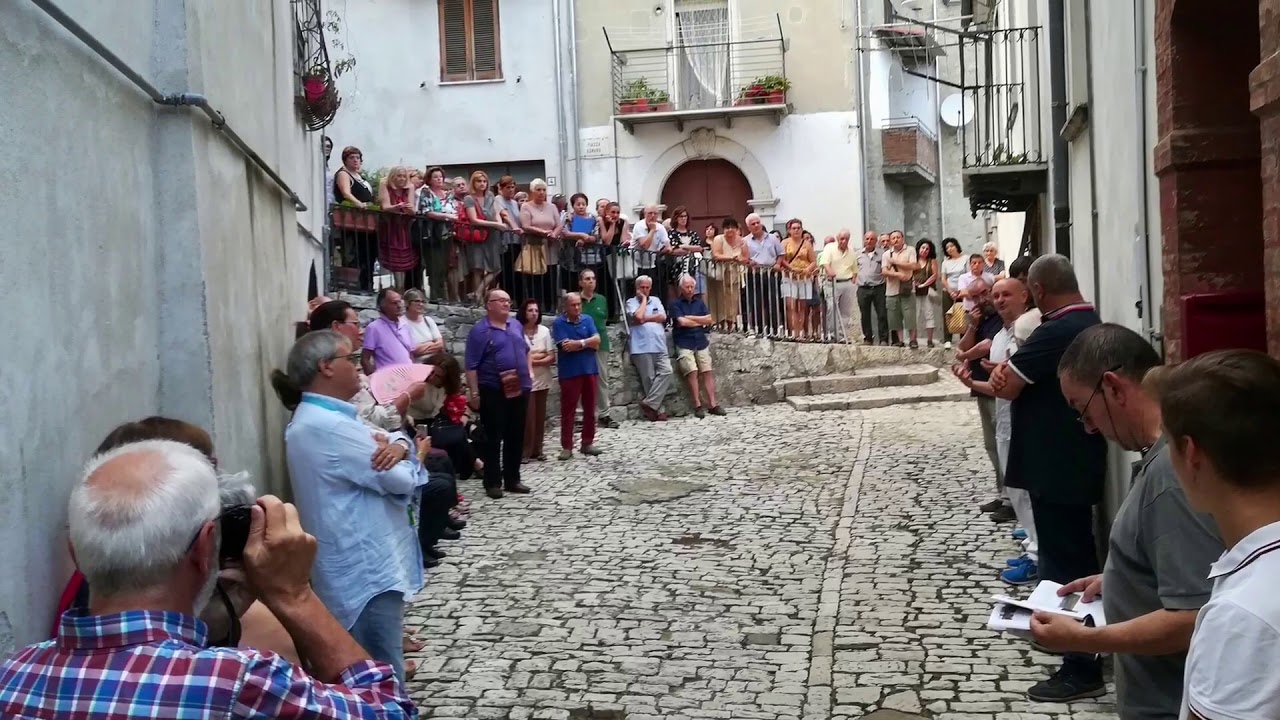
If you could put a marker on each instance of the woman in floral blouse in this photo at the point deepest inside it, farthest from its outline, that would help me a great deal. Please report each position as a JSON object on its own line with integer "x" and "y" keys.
{"x": 436, "y": 202}
{"x": 687, "y": 247}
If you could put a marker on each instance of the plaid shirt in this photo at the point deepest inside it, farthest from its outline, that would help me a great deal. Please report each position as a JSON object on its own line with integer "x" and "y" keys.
{"x": 154, "y": 665}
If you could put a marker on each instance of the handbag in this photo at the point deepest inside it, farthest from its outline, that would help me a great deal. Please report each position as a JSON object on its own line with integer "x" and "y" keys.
{"x": 532, "y": 260}
{"x": 466, "y": 232}
{"x": 955, "y": 319}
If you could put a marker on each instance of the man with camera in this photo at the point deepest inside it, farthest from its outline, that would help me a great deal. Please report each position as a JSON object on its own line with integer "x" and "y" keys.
{"x": 147, "y": 530}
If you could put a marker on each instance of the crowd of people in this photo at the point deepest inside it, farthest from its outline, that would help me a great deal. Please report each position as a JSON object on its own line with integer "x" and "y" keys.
{"x": 459, "y": 238}
{"x": 1189, "y": 568}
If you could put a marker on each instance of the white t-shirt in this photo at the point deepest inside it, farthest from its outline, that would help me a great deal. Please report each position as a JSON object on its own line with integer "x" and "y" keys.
{"x": 541, "y": 341}
{"x": 1235, "y": 651}
{"x": 1026, "y": 324}
{"x": 1003, "y": 345}
{"x": 422, "y": 331}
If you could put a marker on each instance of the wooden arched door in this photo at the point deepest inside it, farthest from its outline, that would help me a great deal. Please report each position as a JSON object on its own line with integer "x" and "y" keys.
{"x": 712, "y": 190}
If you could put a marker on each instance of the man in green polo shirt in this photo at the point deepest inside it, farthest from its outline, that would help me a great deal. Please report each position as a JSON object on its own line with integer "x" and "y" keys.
{"x": 597, "y": 307}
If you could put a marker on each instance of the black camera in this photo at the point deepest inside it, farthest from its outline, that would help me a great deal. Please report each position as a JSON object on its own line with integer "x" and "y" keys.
{"x": 234, "y": 525}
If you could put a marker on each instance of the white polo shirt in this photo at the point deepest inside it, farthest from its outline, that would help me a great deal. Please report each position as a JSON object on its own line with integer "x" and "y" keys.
{"x": 1235, "y": 651}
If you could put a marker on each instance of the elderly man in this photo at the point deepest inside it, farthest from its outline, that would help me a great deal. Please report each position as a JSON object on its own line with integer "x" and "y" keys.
{"x": 356, "y": 511}
{"x": 871, "y": 291}
{"x": 690, "y": 332}
{"x": 576, "y": 341}
{"x": 649, "y": 239}
{"x": 840, "y": 265}
{"x": 762, "y": 291}
{"x": 151, "y": 573}
{"x": 648, "y": 348}
{"x": 975, "y": 347}
{"x": 500, "y": 378}
{"x": 386, "y": 340}
{"x": 1157, "y": 574}
{"x": 899, "y": 264}
{"x": 1053, "y": 457}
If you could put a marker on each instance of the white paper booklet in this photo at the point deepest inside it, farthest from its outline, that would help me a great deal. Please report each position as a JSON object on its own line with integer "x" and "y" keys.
{"x": 1014, "y": 615}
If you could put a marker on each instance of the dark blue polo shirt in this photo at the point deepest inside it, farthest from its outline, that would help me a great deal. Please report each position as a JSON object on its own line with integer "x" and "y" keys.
{"x": 988, "y": 328}
{"x": 1050, "y": 454}
{"x": 689, "y": 338}
{"x": 579, "y": 362}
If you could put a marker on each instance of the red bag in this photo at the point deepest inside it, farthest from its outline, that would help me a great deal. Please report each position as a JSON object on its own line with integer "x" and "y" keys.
{"x": 465, "y": 231}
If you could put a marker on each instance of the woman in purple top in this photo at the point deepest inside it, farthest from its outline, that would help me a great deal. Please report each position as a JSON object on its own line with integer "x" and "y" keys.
{"x": 500, "y": 377}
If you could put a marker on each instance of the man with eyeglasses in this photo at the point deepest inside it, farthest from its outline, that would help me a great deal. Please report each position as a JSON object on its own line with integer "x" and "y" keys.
{"x": 1053, "y": 457}
{"x": 1157, "y": 573}
{"x": 500, "y": 378}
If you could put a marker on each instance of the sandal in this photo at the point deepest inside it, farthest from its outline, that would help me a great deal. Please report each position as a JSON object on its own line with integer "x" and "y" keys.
{"x": 411, "y": 644}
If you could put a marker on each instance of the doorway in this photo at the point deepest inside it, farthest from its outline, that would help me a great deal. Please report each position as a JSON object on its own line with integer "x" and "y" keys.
{"x": 712, "y": 190}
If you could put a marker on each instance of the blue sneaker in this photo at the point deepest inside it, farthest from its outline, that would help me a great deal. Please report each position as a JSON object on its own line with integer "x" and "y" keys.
{"x": 1018, "y": 534}
{"x": 1024, "y": 574}
{"x": 1018, "y": 561}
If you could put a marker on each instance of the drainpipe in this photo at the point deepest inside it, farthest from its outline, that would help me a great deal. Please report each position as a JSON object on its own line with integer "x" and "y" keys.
{"x": 1059, "y": 166}
{"x": 863, "y": 113}
{"x": 172, "y": 100}
{"x": 1146, "y": 306}
{"x": 561, "y": 131}
{"x": 1093, "y": 155}
{"x": 573, "y": 92}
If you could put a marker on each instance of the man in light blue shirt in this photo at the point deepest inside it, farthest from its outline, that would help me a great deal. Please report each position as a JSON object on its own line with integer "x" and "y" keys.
{"x": 355, "y": 492}
{"x": 763, "y": 288}
{"x": 649, "y": 239}
{"x": 647, "y": 345}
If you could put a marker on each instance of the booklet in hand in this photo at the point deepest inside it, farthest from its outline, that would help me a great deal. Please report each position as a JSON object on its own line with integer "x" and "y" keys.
{"x": 1013, "y": 615}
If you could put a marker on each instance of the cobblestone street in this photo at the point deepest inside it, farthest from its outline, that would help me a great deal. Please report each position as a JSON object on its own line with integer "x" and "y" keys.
{"x": 770, "y": 564}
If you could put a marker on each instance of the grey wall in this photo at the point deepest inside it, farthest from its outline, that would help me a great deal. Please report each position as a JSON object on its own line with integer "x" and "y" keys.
{"x": 150, "y": 269}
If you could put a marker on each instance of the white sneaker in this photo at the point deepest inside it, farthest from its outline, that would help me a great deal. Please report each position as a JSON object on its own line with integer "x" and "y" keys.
{"x": 946, "y": 345}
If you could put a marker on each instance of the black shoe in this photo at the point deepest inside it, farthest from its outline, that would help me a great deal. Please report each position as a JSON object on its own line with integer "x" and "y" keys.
{"x": 699, "y": 413}
{"x": 429, "y": 562}
{"x": 435, "y": 552}
{"x": 992, "y": 506}
{"x": 456, "y": 524}
{"x": 1003, "y": 514}
{"x": 1064, "y": 687}
{"x": 448, "y": 534}
{"x": 518, "y": 488}
{"x": 494, "y": 492}
{"x": 606, "y": 422}
{"x": 717, "y": 410}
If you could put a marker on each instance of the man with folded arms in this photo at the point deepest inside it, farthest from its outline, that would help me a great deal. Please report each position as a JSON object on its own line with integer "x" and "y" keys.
{"x": 141, "y": 651}
{"x": 1156, "y": 576}
{"x": 576, "y": 344}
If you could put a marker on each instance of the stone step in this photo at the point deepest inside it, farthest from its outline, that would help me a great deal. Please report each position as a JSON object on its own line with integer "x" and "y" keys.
{"x": 865, "y": 379}
{"x": 945, "y": 390}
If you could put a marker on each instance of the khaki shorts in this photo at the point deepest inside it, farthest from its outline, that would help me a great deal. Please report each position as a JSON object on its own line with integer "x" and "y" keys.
{"x": 690, "y": 360}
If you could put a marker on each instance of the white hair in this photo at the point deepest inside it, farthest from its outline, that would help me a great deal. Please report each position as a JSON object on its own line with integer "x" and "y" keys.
{"x": 537, "y": 184}
{"x": 308, "y": 352}
{"x": 132, "y": 536}
{"x": 687, "y": 276}
{"x": 751, "y": 216}
{"x": 643, "y": 278}
{"x": 990, "y": 246}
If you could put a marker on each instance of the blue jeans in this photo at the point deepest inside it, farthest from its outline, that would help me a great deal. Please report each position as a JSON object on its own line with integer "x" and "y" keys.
{"x": 380, "y": 630}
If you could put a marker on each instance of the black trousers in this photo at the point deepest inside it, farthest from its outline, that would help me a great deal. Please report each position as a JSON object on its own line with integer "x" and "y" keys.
{"x": 1067, "y": 552}
{"x": 438, "y": 496}
{"x": 870, "y": 298}
{"x": 503, "y": 420}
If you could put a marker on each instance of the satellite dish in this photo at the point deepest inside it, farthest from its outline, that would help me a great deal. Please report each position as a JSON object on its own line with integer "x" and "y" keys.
{"x": 956, "y": 110}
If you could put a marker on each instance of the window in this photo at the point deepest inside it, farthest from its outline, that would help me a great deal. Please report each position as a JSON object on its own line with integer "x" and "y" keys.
{"x": 702, "y": 35}
{"x": 470, "y": 42}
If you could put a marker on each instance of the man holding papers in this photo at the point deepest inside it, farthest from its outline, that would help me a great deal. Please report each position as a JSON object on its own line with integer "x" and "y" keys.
{"x": 1156, "y": 577}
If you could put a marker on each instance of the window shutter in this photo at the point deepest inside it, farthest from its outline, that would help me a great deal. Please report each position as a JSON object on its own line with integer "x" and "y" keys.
{"x": 454, "y": 65}
{"x": 484, "y": 39}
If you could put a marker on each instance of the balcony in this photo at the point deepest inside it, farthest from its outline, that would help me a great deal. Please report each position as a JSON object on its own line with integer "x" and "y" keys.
{"x": 909, "y": 151}
{"x": 703, "y": 80}
{"x": 1005, "y": 163}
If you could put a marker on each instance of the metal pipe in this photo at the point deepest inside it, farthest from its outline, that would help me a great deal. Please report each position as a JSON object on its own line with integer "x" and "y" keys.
{"x": 557, "y": 33}
{"x": 573, "y": 77}
{"x": 1093, "y": 155}
{"x": 172, "y": 100}
{"x": 863, "y": 111}
{"x": 1147, "y": 308}
{"x": 1060, "y": 168}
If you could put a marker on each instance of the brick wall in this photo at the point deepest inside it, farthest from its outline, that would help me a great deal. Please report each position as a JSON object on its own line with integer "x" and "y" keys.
{"x": 909, "y": 146}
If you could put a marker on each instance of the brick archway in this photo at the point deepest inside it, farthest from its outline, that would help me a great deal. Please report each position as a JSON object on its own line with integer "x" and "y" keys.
{"x": 1208, "y": 156}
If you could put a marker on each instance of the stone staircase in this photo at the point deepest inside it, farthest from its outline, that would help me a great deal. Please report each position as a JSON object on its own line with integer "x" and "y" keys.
{"x": 871, "y": 387}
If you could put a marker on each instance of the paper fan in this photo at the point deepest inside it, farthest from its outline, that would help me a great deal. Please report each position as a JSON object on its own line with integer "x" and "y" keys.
{"x": 390, "y": 383}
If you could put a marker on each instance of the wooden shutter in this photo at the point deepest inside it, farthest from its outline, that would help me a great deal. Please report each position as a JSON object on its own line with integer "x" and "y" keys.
{"x": 470, "y": 42}
{"x": 484, "y": 40}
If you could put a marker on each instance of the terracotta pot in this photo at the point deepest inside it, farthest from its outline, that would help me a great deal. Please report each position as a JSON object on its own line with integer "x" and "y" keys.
{"x": 776, "y": 97}
{"x": 660, "y": 107}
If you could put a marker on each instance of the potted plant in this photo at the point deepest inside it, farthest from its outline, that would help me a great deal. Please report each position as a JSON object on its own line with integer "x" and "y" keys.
{"x": 764, "y": 90}
{"x": 748, "y": 94}
{"x": 660, "y": 101}
{"x": 635, "y": 97}
{"x": 346, "y": 216}
{"x": 319, "y": 100}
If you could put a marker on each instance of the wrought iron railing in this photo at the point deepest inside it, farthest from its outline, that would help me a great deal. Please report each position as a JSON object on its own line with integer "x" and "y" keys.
{"x": 700, "y": 76}
{"x": 371, "y": 249}
{"x": 1001, "y": 76}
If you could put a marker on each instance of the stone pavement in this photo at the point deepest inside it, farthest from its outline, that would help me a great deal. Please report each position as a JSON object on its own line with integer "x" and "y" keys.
{"x": 770, "y": 564}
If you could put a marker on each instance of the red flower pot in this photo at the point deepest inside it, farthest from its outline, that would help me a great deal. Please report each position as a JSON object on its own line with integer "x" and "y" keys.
{"x": 776, "y": 97}
{"x": 314, "y": 88}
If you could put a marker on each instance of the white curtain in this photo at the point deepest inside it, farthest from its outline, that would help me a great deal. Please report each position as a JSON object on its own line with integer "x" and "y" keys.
{"x": 704, "y": 69}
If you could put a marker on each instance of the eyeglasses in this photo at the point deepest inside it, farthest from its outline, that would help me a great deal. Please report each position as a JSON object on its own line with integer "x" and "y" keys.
{"x": 351, "y": 357}
{"x": 1096, "y": 389}
{"x": 501, "y": 301}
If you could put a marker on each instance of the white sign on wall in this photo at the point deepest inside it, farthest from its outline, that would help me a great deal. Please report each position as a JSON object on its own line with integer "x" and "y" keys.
{"x": 595, "y": 143}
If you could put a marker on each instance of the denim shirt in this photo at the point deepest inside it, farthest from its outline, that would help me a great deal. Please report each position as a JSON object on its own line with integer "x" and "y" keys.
{"x": 365, "y": 537}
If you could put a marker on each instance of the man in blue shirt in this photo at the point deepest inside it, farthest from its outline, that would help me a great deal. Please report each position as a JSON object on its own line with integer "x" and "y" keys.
{"x": 577, "y": 342}
{"x": 648, "y": 347}
{"x": 368, "y": 559}
{"x": 691, "y": 323}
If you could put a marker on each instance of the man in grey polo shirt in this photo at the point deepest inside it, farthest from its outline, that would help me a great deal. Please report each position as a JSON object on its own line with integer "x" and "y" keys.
{"x": 871, "y": 290}
{"x": 1156, "y": 577}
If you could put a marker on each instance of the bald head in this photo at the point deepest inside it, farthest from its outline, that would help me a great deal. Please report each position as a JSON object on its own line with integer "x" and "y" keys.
{"x": 1054, "y": 275}
{"x": 1010, "y": 297}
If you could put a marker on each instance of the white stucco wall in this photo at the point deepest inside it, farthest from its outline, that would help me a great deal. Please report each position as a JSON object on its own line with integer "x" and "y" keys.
{"x": 397, "y": 111}
{"x": 151, "y": 268}
{"x": 810, "y": 163}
